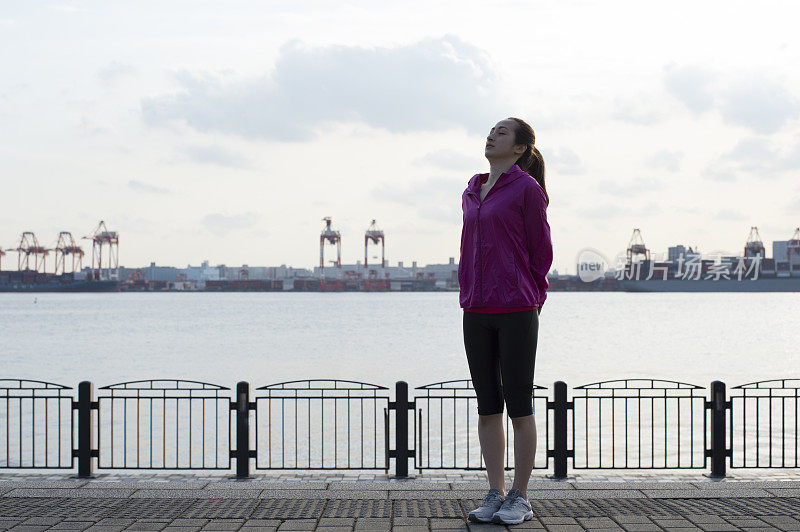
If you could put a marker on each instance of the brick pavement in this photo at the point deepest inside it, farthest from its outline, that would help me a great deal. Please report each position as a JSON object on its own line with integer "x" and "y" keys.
{"x": 334, "y": 501}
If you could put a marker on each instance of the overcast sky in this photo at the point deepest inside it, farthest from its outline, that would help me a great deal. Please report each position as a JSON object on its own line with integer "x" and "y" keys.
{"x": 227, "y": 130}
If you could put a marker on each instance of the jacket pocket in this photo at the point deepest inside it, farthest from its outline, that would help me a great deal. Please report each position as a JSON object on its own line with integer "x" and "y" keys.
{"x": 511, "y": 278}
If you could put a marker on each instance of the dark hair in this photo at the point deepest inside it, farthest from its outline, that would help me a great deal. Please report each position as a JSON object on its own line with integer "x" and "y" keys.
{"x": 531, "y": 161}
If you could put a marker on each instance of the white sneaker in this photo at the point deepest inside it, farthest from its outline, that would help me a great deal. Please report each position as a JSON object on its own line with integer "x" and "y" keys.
{"x": 484, "y": 512}
{"x": 514, "y": 510}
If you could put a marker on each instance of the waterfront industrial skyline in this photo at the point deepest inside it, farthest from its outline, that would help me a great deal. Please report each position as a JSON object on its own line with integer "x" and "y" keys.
{"x": 637, "y": 129}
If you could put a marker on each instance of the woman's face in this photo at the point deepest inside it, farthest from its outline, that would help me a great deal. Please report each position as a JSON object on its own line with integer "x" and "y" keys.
{"x": 500, "y": 142}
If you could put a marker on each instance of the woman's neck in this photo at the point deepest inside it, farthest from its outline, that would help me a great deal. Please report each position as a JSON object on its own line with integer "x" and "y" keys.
{"x": 498, "y": 168}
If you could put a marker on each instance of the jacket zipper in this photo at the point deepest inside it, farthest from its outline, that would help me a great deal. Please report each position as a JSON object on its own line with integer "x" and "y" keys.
{"x": 480, "y": 253}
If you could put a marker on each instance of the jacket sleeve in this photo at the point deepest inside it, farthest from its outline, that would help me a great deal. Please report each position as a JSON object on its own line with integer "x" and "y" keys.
{"x": 537, "y": 233}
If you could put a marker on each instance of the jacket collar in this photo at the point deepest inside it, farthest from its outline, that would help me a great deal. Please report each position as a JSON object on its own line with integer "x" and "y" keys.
{"x": 513, "y": 173}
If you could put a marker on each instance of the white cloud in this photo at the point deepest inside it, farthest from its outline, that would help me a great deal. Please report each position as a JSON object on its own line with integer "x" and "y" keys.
{"x": 114, "y": 71}
{"x": 630, "y": 189}
{"x": 690, "y": 84}
{"x": 222, "y": 224}
{"x": 217, "y": 155}
{"x": 450, "y": 160}
{"x": 564, "y": 160}
{"x": 432, "y": 85}
{"x": 758, "y": 157}
{"x": 753, "y": 99}
{"x": 139, "y": 186}
{"x": 729, "y": 214}
{"x": 762, "y": 105}
{"x": 436, "y": 198}
{"x": 641, "y": 110}
{"x": 665, "y": 159}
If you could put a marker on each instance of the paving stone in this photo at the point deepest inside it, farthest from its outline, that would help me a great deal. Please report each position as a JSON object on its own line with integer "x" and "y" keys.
{"x": 379, "y": 508}
{"x": 223, "y": 524}
{"x": 69, "y": 524}
{"x": 66, "y": 483}
{"x": 676, "y": 522}
{"x": 195, "y": 494}
{"x": 426, "y": 508}
{"x": 710, "y": 494}
{"x": 712, "y": 527}
{"x": 632, "y": 519}
{"x": 697, "y": 519}
{"x": 597, "y": 522}
{"x": 68, "y": 492}
{"x": 547, "y": 521}
{"x": 298, "y": 524}
{"x": 448, "y": 524}
{"x": 235, "y": 508}
{"x": 288, "y": 509}
{"x": 784, "y": 492}
{"x": 250, "y": 484}
{"x": 410, "y": 521}
{"x": 782, "y": 522}
{"x": 533, "y": 485}
{"x": 324, "y": 494}
{"x": 373, "y": 523}
{"x": 145, "y": 484}
{"x": 336, "y": 521}
{"x": 641, "y": 527}
{"x": 148, "y": 524}
{"x": 156, "y": 509}
{"x": 639, "y": 485}
{"x": 41, "y": 521}
{"x": 491, "y": 527}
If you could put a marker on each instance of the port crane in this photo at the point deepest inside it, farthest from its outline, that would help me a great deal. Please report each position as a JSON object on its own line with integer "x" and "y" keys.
{"x": 375, "y": 235}
{"x": 65, "y": 247}
{"x": 101, "y": 238}
{"x": 636, "y": 247}
{"x": 754, "y": 246}
{"x": 29, "y": 245}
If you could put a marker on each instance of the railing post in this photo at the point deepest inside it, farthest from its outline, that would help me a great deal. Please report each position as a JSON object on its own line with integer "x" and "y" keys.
{"x": 560, "y": 451}
{"x": 718, "y": 453}
{"x": 243, "y": 429}
{"x": 85, "y": 428}
{"x": 401, "y": 452}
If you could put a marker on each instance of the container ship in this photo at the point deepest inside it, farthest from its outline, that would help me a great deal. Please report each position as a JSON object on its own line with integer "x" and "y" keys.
{"x": 32, "y": 281}
{"x": 685, "y": 269}
{"x": 31, "y": 274}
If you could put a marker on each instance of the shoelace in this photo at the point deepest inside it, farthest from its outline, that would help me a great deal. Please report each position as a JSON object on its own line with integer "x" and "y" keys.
{"x": 490, "y": 496}
{"x": 510, "y": 501}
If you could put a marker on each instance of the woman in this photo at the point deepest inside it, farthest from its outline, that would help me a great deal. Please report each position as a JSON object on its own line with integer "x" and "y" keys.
{"x": 506, "y": 253}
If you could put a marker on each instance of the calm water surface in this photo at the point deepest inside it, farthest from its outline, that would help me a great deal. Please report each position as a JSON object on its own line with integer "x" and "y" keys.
{"x": 383, "y": 337}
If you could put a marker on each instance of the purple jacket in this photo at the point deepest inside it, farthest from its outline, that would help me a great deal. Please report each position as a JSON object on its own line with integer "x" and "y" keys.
{"x": 506, "y": 249}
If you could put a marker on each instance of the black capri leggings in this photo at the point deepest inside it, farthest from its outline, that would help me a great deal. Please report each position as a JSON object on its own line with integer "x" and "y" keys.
{"x": 501, "y": 352}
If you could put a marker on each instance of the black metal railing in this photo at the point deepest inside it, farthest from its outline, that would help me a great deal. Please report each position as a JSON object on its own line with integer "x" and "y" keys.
{"x": 759, "y": 410}
{"x": 163, "y": 424}
{"x": 38, "y": 415}
{"x": 321, "y": 424}
{"x": 336, "y": 424}
{"x": 448, "y": 437}
{"x": 638, "y": 424}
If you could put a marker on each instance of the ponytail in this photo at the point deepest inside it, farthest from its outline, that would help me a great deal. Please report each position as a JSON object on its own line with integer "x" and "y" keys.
{"x": 531, "y": 161}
